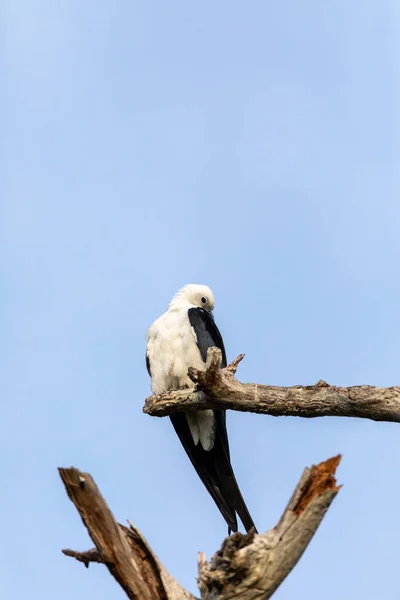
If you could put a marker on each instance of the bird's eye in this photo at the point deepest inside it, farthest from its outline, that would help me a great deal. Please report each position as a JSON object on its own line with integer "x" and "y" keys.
{"x": 204, "y": 300}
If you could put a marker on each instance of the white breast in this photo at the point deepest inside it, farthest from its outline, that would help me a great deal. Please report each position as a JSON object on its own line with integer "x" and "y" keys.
{"x": 172, "y": 349}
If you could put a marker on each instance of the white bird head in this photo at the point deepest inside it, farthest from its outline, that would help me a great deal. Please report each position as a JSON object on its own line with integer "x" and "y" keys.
{"x": 191, "y": 295}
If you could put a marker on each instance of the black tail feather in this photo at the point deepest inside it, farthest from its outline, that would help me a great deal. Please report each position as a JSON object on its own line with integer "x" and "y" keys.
{"x": 215, "y": 470}
{"x": 226, "y": 477}
{"x": 204, "y": 465}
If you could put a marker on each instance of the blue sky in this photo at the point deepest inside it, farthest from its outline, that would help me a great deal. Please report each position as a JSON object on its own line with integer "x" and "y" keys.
{"x": 251, "y": 147}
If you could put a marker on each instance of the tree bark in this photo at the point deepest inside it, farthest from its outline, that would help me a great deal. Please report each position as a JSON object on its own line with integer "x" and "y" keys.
{"x": 123, "y": 550}
{"x": 248, "y": 566}
{"x": 217, "y": 388}
{"x": 251, "y": 567}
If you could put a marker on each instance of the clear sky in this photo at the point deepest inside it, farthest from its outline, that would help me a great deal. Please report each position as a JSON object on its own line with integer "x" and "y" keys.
{"x": 253, "y": 147}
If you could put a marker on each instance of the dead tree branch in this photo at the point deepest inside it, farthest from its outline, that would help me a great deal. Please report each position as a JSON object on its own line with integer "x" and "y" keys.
{"x": 85, "y": 557}
{"x": 217, "y": 388}
{"x": 123, "y": 550}
{"x": 249, "y": 567}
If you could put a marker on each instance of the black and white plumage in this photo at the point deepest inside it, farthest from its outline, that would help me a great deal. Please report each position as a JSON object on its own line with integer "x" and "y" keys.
{"x": 177, "y": 340}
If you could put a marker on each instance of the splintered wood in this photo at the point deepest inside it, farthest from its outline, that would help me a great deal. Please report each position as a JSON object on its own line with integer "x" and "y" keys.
{"x": 247, "y": 566}
{"x": 321, "y": 478}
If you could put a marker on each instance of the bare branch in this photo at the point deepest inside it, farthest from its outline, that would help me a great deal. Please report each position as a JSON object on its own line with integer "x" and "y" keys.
{"x": 123, "y": 550}
{"x": 247, "y": 566}
{"x": 86, "y": 557}
{"x": 252, "y": 566}
{"x": 232, "y": 367}
{"x": 221, "y": 390}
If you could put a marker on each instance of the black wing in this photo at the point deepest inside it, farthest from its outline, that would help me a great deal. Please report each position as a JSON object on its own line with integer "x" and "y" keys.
{"x": 207, "y": 333}
{"x": 213, "y": 466}
{"x": 148, "y": 364}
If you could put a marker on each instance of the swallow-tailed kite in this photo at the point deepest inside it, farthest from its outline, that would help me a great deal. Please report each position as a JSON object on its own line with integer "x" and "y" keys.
{"x": 177, "y": 340}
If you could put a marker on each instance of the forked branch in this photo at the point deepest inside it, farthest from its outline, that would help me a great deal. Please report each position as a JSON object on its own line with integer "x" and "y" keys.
{"x": 217, "y": 388}
{"x": 247, "y": 566}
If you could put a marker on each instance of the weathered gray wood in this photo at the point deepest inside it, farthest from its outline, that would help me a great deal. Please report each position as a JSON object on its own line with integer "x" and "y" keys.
{"x": 123, "y": 550}
{"x": 248, "y": 566}
{"x": 251, "y": 567}
{"x": 218, "y": 388}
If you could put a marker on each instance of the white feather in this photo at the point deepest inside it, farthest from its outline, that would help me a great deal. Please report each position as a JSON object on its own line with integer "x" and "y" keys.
{"x": 172, "y": 349}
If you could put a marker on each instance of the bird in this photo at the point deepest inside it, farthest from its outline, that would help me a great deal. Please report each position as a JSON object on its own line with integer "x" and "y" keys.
{"x": 177, "y": 340}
